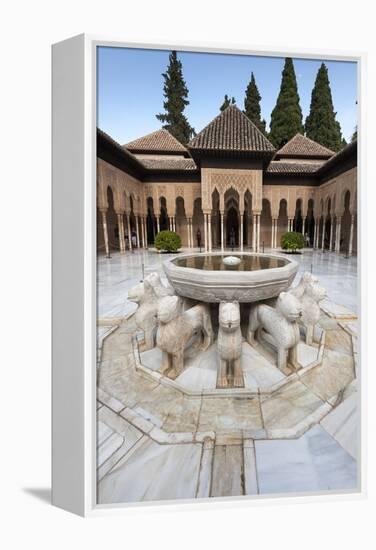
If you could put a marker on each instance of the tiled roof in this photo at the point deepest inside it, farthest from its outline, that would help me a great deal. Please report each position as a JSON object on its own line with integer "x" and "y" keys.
{"x": 169, "y": 164}
{"x": 301, "y": 146}
{"x": 297, "y": 168}
{"x": 106, "y": 141}
{"x": 348, "y": 152}
{"x": 231, "y": 131}
{"x": 161, "y": 140}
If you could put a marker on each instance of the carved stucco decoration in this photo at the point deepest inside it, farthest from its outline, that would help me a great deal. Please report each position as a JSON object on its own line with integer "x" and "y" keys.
{"x": 240, "y": 180}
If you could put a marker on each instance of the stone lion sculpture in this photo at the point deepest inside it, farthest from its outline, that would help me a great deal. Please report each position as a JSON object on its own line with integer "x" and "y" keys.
{"x": 147, "y": 295}
{"x": 229, "y": 344}
{"x": 310, "y": 293}
{"x": 176, "y": 328}
{"x": 278, "y": 325}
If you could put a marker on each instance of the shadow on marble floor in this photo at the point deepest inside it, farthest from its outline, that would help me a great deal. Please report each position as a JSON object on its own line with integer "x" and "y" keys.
{"x": 41, "y": 493}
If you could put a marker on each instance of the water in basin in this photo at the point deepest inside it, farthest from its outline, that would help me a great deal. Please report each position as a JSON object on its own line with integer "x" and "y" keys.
{"x": 214, "y": 262}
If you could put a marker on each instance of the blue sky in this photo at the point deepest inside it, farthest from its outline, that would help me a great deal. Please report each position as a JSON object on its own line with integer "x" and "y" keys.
{"x": 130, "y": 87}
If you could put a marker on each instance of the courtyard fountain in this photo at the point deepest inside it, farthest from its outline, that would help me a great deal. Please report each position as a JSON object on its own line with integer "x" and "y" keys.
{"x": 232, "y": 312}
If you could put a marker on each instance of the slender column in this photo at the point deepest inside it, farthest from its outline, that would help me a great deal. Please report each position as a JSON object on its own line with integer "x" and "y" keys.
{"x": 338, "y": 234}
{"x": 142, "y": 219}
{"x": 191, "y": 232}
{"x": 241, "y": 232}
{"x": 314, "y": 233}
{"x": 105, "y": 231}
{"x": 158, "y": 224}
{"x": 303, "y": 226}
{"x": 276, "y": 233}
{"x": 129, "y": 232}
{"x": 143, "y": 231}
{"x": 137, "y": 232}
{"x": 205, "y": 233}
{"x": 209, "y": 233}
{"x": 254, "y": 232}
{"x": 351, "y": 235}
{"x": 258, "y": 232}
{"x": 222, "y": 233}
{"x": 323, "y": 235}
{"x": 174, "y": 223}
{"x": 146, "y": 231}
{"x": 121, "y": 232}
{"x": 331, "y": 233}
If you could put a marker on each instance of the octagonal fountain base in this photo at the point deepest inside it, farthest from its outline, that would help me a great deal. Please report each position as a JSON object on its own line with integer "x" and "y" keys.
{"x": 210, "y": 278}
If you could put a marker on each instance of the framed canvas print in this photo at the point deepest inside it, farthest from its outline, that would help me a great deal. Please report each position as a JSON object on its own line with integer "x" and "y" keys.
{"x": 206, "y": 274}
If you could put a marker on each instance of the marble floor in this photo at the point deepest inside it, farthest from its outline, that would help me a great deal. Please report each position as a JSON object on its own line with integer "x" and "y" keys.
{"x": 158, "y": 443}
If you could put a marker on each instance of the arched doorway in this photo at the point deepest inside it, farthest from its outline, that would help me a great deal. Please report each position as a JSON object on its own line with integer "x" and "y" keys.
{"x": 310, "y": 222}
{"x": 198, "y": 221}
{"x": 266, "y": 224}
{"x": 150, "y": 221}
{"x": 282, "y": 220}
{"x": 298, "y": 219}
{"x": 232, "y": 218}
{"x": 181, "y": 220}
{"x": 112, "y": 223}
{"x": 346, "y": 223}
{"x": 248, "y": 226}
{"x": 163, "y": 218}
{"x": 232, "y": 227}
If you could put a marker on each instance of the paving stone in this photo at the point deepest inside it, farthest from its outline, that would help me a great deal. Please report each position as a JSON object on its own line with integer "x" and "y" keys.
{"x": 314, "y": 462}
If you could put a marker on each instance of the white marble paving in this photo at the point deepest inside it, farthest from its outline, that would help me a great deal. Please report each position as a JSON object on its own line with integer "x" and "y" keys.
{"x": 342, "y": 424}
{"x": 307, "y": 354}
{"x": 133, "y": 467}
{"x": 314, "y": 462}
{"x": 153, "y": 472}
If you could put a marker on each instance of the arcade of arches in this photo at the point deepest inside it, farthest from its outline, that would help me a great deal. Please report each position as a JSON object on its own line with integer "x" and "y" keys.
{"x": 327, "y": 216}
{"x": 227, "y": 202}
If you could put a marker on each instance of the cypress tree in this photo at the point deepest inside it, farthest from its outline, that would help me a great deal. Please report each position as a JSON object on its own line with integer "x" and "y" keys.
{"x": 286, "y": 117}
{"x": 354, "y": 137}
{"x": 226, "y": 102}
{"x": 252, "y": 104}
{"x": 321, "y": 124}
{"x": 176, "y": 93}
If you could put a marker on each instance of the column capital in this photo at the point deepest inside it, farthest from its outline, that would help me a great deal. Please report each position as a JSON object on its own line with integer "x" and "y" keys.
{"x": 102, "y": 209}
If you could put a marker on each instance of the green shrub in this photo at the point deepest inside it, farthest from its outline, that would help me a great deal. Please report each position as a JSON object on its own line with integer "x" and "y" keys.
{"x": 292, "y": 241}
{"x": 168, "y": 241}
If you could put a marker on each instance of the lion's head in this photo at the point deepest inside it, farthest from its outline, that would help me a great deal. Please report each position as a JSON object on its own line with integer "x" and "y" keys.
{"x": 229, "y": 316}
{"x": 289, "y": 306}
{"x": 169, "y": 308}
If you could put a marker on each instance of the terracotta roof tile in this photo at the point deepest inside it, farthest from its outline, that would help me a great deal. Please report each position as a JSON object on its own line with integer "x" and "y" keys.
{"x": 169, "y": 164}
{"x": 298, "y": 168}
{"x": 231, "y": 131}
{"x": 161, "y": 140}
{"x": 301, "y": 146}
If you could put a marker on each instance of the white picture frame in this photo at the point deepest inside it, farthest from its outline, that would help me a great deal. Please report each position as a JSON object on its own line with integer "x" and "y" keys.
{"x": 74, "y": 268}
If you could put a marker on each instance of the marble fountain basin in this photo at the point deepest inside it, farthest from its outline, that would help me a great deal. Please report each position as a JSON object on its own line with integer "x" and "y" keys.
{"x": 205, "y": 277}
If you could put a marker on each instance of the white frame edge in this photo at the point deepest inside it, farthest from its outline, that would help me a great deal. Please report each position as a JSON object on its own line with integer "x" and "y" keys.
{"x": 74, "y": 274}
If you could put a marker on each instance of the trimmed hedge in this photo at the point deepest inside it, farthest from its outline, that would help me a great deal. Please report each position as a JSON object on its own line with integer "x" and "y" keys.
{"x": 168, "y": 241}
{"x": 292, "y": 241}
